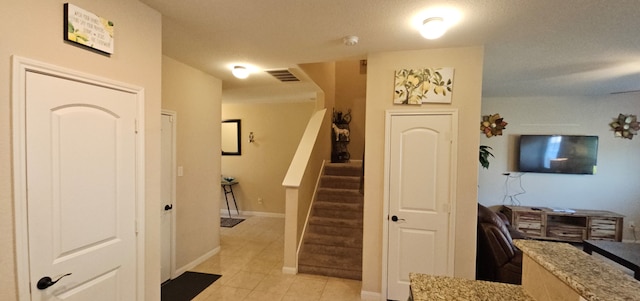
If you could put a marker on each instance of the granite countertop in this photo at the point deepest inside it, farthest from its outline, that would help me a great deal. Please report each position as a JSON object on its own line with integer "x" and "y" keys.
{"x": 432, "y": 288}
{"x": 590, "y": 277}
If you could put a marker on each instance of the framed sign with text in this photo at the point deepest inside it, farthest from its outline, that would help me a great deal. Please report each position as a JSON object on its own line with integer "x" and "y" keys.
{"x": 86, "y": 29}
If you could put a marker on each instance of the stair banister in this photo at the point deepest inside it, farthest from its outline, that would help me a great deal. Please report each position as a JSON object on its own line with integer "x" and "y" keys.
{"x": 299, "y": 183}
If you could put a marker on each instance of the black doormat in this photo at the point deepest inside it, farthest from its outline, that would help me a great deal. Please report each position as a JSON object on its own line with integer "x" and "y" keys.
{"x": 229, "y": 222}
{"x": 187, "y": 286}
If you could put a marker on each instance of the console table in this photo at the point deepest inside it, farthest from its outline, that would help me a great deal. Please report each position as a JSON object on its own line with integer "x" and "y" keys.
{"x": 545, "y": 223}
{"x": 227, "y": 188}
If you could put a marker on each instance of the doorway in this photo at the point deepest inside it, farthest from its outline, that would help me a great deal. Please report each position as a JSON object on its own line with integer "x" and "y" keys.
{"x": 78, "y": 151}
{"x": 167, "y": 195}
{"x": 419, "y": 196}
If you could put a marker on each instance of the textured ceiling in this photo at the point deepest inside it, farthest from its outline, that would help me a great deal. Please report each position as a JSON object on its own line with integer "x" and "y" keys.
{"x": 532, "y": 47}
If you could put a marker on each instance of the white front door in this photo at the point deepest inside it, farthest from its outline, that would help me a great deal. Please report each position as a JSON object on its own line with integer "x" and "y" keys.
{"x": 167, "y": 196}
{"x": 419, "y": 158}
{"x": 81, "y": 181}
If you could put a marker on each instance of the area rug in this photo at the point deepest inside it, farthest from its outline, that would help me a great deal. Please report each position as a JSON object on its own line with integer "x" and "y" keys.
{"x": 187, "y": 286}
{"x": 229, "y": 222}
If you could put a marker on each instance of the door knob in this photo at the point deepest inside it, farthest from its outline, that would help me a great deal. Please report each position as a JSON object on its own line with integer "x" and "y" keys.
{"x": 168, "y": 207}
{"x": 46, "y": 281}
{"x": 395, "y": 218}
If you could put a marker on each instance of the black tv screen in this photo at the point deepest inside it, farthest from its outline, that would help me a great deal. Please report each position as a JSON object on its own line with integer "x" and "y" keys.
{"x": 558, "y": 154}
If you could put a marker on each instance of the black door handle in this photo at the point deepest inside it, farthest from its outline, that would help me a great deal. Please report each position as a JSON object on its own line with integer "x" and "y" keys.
{"x": 395, "y": 218}
{"x": 168, "y": 207}
{"x": 46, "y": 281}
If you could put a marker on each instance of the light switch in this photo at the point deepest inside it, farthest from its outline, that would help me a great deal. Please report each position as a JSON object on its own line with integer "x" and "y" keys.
{"x": 180, "y": 171}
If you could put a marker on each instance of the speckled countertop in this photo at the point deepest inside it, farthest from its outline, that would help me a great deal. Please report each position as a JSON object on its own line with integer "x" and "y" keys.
{"x": 590, "y": 277}
{"x": 431, "y": 288}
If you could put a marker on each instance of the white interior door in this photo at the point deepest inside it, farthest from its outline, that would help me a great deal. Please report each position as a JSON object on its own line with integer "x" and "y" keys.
{"x": 81, "y": 182}
{"x": 167, "y": 196}
{"x": 419, "y": 157}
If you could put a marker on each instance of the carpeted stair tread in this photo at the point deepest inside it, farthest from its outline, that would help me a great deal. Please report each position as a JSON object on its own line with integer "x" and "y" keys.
{"x": 328, "y": 221}
{"x": 345, "y": 252}
{"x": 335, "y": 213}
{"x": 335, "y": 240}
{"x": 331, "y": 205}
{"x": 339, "y": 195}
{"x": 345, "y": 182}
{"x": 343, "y": 169}
{"x": 333, "y": 230}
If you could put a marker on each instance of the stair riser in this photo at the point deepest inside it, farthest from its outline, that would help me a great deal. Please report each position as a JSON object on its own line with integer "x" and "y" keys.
{"x": 348, "y": 223}
{"x": 343, "y": 171}
{"x": 338, "y": 206}
{"x": 334, "y": 230}
{"x": 346, "y": 253}
{"x": 329, "y": 261}
{"x": 339, "y": 184}
{"x": 339, "y": 198}
{"x": 330, "y": 272}
{"x": 339, "y": 241}
{"x": 353, "y": 215}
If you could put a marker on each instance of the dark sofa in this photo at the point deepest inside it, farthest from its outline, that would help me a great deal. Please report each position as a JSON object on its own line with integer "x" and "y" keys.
{"x": 497, "y": 259}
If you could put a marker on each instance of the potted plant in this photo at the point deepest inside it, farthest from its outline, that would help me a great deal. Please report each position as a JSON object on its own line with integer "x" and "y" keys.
{"x": 484, "y": 155}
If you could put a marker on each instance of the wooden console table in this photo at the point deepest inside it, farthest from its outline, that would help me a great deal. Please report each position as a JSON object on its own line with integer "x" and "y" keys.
{"x": 544, "y": 223}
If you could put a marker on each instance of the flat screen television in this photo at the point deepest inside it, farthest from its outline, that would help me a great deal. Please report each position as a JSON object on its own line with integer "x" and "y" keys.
{"x": 558, "y": 154}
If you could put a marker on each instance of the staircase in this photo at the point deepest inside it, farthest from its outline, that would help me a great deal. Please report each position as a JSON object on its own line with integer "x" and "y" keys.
{"x": 332, "y": 244}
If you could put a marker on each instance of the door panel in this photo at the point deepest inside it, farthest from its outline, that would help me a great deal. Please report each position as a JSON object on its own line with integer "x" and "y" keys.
{"x": 81, "y": 179}
{"x": 419, "y": 154}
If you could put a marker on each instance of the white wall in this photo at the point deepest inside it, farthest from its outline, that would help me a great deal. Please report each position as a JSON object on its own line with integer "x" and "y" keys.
{"x": 614, "y": 187}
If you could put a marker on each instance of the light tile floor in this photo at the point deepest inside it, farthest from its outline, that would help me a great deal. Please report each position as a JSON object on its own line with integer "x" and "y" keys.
{"x": 250, "y": 262}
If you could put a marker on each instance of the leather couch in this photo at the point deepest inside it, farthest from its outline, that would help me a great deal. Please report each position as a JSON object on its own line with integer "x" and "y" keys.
{"x": 497, "y": 258}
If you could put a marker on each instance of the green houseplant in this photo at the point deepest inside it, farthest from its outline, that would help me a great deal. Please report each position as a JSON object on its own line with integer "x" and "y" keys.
{"x": 484, "y": 155}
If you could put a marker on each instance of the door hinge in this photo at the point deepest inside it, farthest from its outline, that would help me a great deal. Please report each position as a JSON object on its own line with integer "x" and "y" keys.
{"x": 136, "y": 226}
{"x": 136, "y": 125}
{"x": 446, "y": 208}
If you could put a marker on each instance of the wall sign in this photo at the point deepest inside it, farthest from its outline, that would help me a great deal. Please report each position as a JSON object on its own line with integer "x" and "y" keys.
{"x": 85, "y": 28}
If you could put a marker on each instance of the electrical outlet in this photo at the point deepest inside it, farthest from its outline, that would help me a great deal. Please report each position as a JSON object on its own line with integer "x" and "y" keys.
{"x": 260, "y": 201}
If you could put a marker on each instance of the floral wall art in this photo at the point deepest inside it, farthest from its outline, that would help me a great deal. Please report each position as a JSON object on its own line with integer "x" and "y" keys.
{"x": 492, "y": 125}
{"x": 428, "y": 85}
{"x": 625, "y": 126}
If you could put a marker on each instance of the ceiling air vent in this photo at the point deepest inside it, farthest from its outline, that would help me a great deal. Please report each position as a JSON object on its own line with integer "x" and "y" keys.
{"x": 283, "y": 75}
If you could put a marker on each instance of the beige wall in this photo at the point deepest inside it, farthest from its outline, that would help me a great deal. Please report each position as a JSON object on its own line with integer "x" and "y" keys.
{"x": 195, "y": 97}
{"x": 33, "y": 29}
{"x": 260, "y": 169}
{"x": 351, "y": 90}
{"x": 466, "y": 98}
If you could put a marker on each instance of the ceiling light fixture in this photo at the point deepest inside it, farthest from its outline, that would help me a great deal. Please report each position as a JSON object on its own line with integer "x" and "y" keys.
{"x": 350, "y": 40}
{"x": 240, "y": 72}
{"x": 433, "y": 28}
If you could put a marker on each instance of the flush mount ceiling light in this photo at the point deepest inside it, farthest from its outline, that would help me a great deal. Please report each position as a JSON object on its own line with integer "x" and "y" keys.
{"x": 240, "y": 72}
{"x": 350, "y": 40}
{"x": 433, "y": 28}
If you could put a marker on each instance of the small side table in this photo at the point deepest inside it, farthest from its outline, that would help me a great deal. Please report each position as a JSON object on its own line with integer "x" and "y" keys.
{"x": 227, "y": 188}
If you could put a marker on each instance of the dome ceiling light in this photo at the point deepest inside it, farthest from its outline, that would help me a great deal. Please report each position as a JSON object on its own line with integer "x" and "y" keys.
{"x": 433, "y": 28}
{"x": 350, "y": 40}
{"x": 240, "y": 72}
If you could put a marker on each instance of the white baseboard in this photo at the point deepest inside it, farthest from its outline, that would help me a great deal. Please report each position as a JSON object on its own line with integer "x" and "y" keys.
{"x": 225, "y": 213}
{"x": 370, "y": 296}
{"x": 196, "y": 262}
{"x": 289, "y": 271}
